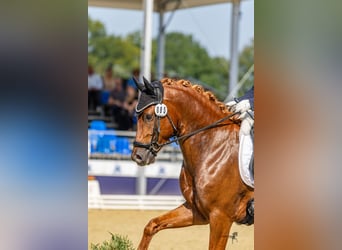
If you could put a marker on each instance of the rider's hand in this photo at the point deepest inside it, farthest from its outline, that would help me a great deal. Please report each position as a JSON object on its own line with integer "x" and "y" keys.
{"x": 246, "y": 124}
{"x": 230, "y": 105}
{"x": 246, "y": 114}
{"x": 241, "y": 106}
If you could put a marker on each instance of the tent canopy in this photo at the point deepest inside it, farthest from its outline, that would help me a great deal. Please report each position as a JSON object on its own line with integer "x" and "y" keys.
{"x": 169, "y": 4}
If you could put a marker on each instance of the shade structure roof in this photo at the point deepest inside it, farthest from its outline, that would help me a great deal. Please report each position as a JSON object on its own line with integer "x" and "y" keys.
{"x": 168, "y": 4}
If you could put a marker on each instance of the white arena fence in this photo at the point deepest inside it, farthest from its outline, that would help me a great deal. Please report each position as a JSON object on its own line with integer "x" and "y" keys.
{"x": 96, "y": 200}
{"x": 134, "y": 202}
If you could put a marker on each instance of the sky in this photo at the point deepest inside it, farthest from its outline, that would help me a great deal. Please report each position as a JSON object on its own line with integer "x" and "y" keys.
{"x": 209, "y": 25}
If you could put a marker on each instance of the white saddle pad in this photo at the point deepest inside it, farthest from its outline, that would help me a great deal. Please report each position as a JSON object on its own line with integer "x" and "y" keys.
{"x": 245, "y": 154}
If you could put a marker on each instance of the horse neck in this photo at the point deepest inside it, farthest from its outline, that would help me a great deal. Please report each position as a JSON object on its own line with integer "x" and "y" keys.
{"x": 193, "y": 110}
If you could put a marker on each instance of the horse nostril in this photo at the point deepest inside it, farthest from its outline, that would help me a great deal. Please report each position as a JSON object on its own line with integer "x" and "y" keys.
{"x": 137, "y": 157}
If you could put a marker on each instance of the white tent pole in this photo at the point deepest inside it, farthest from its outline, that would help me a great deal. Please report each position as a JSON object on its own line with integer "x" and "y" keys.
{"x": 240, "y": 83}
{"x": 146, "y": 48}
{"x": 145, "y": 70}
{"x": 161, "y": 46}
{"x": 234, "y": 61}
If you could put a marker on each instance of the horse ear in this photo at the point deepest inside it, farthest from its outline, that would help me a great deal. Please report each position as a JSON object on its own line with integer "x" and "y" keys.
{"x": 148, "y": 85}
{"x": 139, "y": 85}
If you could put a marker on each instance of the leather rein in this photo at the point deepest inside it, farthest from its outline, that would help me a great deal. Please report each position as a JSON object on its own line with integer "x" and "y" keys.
{"x": 154, "y": 147}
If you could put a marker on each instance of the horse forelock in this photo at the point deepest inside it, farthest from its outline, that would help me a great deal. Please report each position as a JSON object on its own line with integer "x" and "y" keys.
{"x": 198, "y": 89}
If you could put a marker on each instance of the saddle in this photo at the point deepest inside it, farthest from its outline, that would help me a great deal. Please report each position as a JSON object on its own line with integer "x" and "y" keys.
{"x": 251, "y": 163}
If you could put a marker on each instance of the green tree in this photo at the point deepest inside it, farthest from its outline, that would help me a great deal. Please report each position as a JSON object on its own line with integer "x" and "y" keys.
{"x": 95, "y": 29}
{"x": 104, "y": 49}
{"x": 246, "y": 60}
{"x": 184, "y": 57}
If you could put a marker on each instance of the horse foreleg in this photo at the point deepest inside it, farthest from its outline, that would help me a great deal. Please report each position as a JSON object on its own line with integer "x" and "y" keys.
{"x": 182, "y": 216}
{"x": 219, "y": 231}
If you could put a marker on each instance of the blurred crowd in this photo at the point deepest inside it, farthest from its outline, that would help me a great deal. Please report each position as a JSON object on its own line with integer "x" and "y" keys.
{"x": 112, "y": 98}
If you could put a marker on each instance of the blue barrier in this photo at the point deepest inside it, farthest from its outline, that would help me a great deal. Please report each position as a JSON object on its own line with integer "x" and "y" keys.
{"x": 98, "y": 125}
{"x": 122, "y": 146}
{"x": 109, "y": 144}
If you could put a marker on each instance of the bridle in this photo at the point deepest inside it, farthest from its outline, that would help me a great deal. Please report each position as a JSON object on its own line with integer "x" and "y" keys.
{"x": 160, "y": 112}
{"x": 154, "y": 147}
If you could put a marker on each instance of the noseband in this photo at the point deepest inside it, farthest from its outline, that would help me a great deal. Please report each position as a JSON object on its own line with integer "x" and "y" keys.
{"x": 154, "y": 146}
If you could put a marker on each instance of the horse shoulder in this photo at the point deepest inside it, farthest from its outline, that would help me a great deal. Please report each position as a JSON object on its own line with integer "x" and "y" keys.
{"x": 186, "y": 184}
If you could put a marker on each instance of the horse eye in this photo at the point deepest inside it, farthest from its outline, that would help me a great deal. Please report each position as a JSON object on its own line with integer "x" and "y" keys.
{"x": 148, "y": 117}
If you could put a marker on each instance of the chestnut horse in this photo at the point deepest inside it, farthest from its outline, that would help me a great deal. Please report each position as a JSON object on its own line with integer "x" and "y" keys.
{"x": 209, "y": 179}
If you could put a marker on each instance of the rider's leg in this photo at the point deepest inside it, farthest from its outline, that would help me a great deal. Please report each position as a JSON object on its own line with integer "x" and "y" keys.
{"x": 245, "y": 155}
{"x": 246, "y": 149}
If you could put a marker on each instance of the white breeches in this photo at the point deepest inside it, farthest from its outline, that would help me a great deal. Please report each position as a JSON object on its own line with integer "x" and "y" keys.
{"x": 246, "y": 150}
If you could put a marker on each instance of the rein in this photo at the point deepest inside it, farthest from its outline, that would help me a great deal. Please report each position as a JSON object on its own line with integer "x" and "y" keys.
{"x": 177, "y": 139}
{"x": 154, "y": 146}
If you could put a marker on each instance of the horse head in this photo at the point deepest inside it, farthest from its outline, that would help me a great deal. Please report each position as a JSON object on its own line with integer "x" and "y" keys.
{"x": 154, "y": 126}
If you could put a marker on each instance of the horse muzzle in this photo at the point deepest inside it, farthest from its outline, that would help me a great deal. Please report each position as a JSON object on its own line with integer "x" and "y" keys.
{"x": 143, "y": 156}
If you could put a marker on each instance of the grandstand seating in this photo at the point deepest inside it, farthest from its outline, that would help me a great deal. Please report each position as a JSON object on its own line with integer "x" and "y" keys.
{"x": 98, "y": 125}
{"x": 106, "y": 142}
{"x": 122, "y": 146}
{"x": 115, "y": 144}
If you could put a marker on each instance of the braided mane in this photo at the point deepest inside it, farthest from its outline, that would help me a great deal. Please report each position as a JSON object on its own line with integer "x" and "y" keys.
{"x": 199, "y": 89}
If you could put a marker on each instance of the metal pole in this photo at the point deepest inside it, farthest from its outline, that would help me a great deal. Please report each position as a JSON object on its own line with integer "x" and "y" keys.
{"x": 161, "y": 46}
{"x": 234, "y": 55}
{"x": 141, "y": 182}
{"x": 146, "y": 48}
{"x": 240, "y": 83}
{"x": 145, "y": 70}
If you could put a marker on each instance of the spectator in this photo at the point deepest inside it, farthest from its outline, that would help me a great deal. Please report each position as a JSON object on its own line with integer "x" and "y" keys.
{"x": 95, "y": 86}
{"x": 131, "y": 99}
{"x": 119, "y": 107}
{"x": 108, "y": 79}
{"x": 136, "y": 74}
{"x": 131, "y": 103}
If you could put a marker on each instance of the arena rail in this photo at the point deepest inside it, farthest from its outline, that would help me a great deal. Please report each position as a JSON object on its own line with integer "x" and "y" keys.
{"x": 134, "y": 202}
